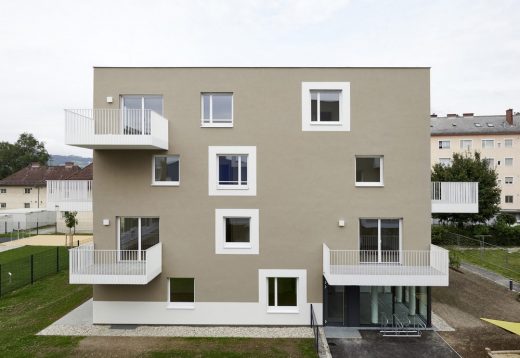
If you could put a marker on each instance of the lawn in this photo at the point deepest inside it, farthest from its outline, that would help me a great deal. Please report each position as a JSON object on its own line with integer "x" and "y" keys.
{"x": 24, "y": 251}
{"x": 26, "y": 311}
{"x": 499, "y": 261}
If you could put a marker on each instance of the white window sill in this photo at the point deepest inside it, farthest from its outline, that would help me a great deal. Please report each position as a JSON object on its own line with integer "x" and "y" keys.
{"x": 380, "y": 185}
{"x": 232, "y": 187}
{"x": 181, "y": 306}
{"x": 231, "y": 246}
{"x": 166, "y": 183}
{"x": 283, "y": 310}
{"x": 217, "y": 125}
{"x": 326, "y": 123}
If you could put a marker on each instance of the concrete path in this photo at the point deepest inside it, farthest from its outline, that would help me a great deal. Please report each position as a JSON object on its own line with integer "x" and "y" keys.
{"x": 7, "y": 248}
{"x": 78, "y": 322}
{"x": 342, "y": 332}
{"x": 47, "y": 240}
{"x": 495, "y": 277}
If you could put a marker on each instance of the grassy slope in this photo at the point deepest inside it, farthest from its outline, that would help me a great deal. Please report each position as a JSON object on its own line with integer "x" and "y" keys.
{"x": 492, "y": 259}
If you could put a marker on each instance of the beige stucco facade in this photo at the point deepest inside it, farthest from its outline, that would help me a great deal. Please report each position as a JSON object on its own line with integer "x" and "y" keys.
{"x": 305, "y": 180}
{"x": 498, "y": 153}
{"x": 15, "y": 197}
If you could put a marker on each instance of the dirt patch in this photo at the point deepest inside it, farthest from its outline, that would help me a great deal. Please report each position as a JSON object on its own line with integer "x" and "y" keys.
{"x": 468, "y": 298}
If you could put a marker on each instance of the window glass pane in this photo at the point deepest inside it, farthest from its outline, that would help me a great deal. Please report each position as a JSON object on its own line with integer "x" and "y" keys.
{"x": 132, "y": 102}
{"x": 228, "y": 169}
{"x": 128, "y": 233}
{"x": 132, "y": 115}
{"x": 222, "y": 104}
{"x": 368, "y": 241}
{"x": 149, "y": 232}
{"x": 329, "y": 106}
{"x": 154, "y": 103}
{"x": 368, "y": 170}
{"x": 314, "y": 106}
{"x": 271, "y": 283}
{"x": 182, "y": 290}
{"x": 167, "y": 168}
{"x": 237, "y": 229}
{"x": 205, "y": 107}
{"x": 243, "y": 168}
{"x": 286, "y": 291}
{"x": 390, "y": 240}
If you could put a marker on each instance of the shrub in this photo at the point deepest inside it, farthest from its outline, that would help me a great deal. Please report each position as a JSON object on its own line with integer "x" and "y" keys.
{"x": 454, "y": 259}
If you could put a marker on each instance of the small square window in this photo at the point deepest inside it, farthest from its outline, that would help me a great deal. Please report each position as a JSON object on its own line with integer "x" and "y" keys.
{"x": 445, "y": 161}
{"x": 488, "y": 143}
{"x": 490, "y": 162}
{"x": 3, "y": 205}
{"x": 325, "y": 106}
{"x": 182, "y": 292}
{"x": 232, "y": 171}
{"x": 508, "y": 162}
{"x": 508, "y": 143}
{"x": 509, "y": 199}
{"x": 508, "y": 180}
{"x": 3, "y": 190}
{"x": 369, "y": 171}
{"x": 166, "y": 170}
{"x": 465, "y": 144}
{"x": 27, "y": 205}
{"x": 444, "y": 144}
{"x": 282, "y": 291}
{"x": 27, "y": 190}
{"x": 217, "y": 109}
{"x": 236, "y": 231}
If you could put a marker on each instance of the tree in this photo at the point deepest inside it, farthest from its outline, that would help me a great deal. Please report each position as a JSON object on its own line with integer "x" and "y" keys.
{"x": 466, "y": 168}
{"x": 70, "y": 221}
{"x": 20, "y": 154}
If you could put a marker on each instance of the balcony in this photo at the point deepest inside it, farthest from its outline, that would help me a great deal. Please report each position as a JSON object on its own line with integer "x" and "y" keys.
{"x": 114, "y": 267}
{"x": 116, "y": 129}
{"x": 454, "y": 197}
{"x": 386, "y": 268}
{"x": 69, "y": 195}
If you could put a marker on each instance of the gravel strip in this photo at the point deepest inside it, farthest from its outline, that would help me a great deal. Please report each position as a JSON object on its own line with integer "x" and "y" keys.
{"x": 178, "y": 331}
{"x": 440, "y": 325}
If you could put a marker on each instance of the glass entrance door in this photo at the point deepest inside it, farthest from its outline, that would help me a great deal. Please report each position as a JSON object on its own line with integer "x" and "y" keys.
{"x": 379, "y": 240}
{"x": 137, "y": 111}
{"x": 336, "y": 305}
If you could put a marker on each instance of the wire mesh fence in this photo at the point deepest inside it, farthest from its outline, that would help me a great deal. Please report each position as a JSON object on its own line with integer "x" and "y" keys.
{"x": 26, "y": 270}
{"x": 14, "y": 230}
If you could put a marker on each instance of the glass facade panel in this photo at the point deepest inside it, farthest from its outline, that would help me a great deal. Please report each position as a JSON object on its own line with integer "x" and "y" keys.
{"x": 390, "y": 240}
{"x": 149, "y": 232}
{"x": 368, "y": 240}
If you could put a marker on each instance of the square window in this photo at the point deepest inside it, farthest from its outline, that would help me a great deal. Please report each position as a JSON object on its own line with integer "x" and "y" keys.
{"x": 236, "y": 231}
{"x": 166, "y": 170}
{"x": 232, "y": 171}
{"x": 465, "y": 144}
{"x": 488, "y": 143}
{"x": 217, "y": 109}
{"x": 490, "y": 162}
{"x": 3, "y": 191}
{"x": 509, "y": 199}
{"x": 182, "y": 292}
{"x": 508, "y": 162}
{"x": 27, "y": 190}
{"x": 508, "y": 180}
{"x": 444, "y": 144}
{"x": 445, "y": 161}
{"x": 369, "y": 171}
{"x": 3, "y": 205}
{"x": 508, "y": 143}
{"x": 282, "y": 292}
{"x": 27, "y": 205}
{"x": 325, "y": 106}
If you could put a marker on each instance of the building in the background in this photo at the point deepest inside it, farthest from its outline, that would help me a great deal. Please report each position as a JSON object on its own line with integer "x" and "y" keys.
{"x": 25, "y": 189}
{"x": 72, "y": 194}
{"x": 496, "y": 137}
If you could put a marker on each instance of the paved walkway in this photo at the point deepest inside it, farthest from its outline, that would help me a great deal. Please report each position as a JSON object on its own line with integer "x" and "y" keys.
{"x": 495, "y": 277}
{"x": 78, "y": 322}
{"x": 47, "y": 240}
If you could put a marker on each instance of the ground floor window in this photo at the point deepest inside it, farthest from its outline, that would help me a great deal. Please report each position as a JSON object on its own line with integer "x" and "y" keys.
{"x": 181, "y": 292}
{"x": 282, "y": 291}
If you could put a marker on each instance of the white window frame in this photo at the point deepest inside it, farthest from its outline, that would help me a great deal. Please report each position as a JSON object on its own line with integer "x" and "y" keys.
{"x": 492, "y": 141}
{"x": 301, "y": 290}
{"x": 180, "y": 305}
{"x": 165, "y": 183}
{"x": 237, "y": 248}
{"x": 441, "y": 142}
{"x": 506, "y": 179}
{"x": 214, "y": 189}
{"x": 505, "y": 162}
{"x": 344, "y": 107}
{"x": 506, "y": 141}
{"x": 381, "y": 181}
{"x": 463, "y": 147}
{"x": 509, "y": 202}
{"x": 211, "y": 123}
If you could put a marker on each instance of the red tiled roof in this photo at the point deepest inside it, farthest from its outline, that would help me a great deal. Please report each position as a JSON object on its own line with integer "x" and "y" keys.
{"x": 86, "y": 173}
{"x": 36, "y": 175}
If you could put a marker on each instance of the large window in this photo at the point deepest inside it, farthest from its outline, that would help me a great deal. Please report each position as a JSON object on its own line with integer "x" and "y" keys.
{"x": 236, "y": 231}
{"x": 217, "y": 109}
{"x": 166, "y": 170}
{"x": 369, "y": 171}
{"x": 137, "y": 235}
{"x": 181, "y": 292}
{"x": 325, "y": 106}
{"x": 465, "y": 144}
{"x": 488, "y": 143}
{"x": 444, "y": 144}
{"x": 380, "y": 240}
{"x": 136, "y": 112}
{"x": 232, "y": 171}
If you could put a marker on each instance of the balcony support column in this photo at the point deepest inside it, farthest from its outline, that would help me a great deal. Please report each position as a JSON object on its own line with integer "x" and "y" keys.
{"x": 374, "y": 305}
{"x": 411, "y": 303}
{"x": 423, "y": 301}
{"x": 399, "y": 294}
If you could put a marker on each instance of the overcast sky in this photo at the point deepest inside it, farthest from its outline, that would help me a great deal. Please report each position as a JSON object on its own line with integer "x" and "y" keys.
{"x": 48, "y": 48}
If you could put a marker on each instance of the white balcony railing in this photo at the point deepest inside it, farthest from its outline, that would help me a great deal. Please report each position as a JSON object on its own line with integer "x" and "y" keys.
{"x": 454, "y": 197}
{"x": 116, "y": 267}
{"x": 386, "y": 267}
{"x": 116, "y": 129}
{"x": 69, "y": 195}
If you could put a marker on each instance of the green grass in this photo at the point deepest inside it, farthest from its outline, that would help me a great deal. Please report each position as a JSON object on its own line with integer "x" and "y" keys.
{"x": 24, "y": 251}
{"x": 25, "y": 312}
{"x": 496, "y": 260}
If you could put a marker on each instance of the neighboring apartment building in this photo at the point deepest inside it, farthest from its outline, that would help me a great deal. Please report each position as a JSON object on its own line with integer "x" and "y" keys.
{"x": 242, "y": 195}
{"x": 497, "y": 138}
{"x": 26, "y": 187}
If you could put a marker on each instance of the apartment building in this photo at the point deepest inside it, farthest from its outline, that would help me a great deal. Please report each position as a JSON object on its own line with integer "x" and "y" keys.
{"x": 241, "y": 196}
{"x": 26, "y": 187}
{"x": 496, "y": 137}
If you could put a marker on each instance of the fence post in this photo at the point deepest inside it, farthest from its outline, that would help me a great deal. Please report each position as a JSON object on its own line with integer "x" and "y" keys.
{"x": 57, "y": 259}
{"x": 32, "y": 269}
{"x": 37, "y": 227}
{"x": 0, "y": 280}
{"x": 78, "y": 242}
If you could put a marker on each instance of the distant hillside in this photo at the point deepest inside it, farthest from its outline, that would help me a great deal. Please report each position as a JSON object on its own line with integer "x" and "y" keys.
{"x": 61, "y": 159}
